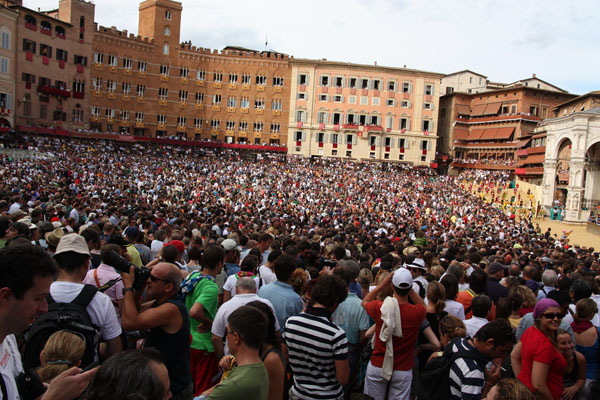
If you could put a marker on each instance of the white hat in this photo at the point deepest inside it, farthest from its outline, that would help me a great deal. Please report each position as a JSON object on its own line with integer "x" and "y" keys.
{"x": 402, "y": 279}
{"x": 417, "y": 263}
{"x": 72, "y": 242}
{"x": 229, "y": 244}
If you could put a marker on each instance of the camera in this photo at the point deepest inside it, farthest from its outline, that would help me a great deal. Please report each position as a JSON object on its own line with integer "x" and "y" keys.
{"x": 121, "y": 265}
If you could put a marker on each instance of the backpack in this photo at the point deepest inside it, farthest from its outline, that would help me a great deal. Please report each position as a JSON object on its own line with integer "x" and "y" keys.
{"x": 434, "y": 379}
{"x": 422, "y": 291}
{"x": 71, "y": 316}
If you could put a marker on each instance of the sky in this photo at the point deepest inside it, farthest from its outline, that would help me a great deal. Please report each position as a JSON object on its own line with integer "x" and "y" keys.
{"x": 504, "y": 40}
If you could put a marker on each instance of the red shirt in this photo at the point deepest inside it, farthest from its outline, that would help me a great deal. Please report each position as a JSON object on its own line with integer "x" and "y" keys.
{"x": 537, "y": 347}
{"x": 412, "y": 317}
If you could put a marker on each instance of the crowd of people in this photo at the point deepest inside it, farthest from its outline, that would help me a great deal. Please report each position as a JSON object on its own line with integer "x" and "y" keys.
{"x": 178, "y": 272}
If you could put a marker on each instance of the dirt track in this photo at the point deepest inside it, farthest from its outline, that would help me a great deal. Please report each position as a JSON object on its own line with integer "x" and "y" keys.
{"x": 579, "y": 235}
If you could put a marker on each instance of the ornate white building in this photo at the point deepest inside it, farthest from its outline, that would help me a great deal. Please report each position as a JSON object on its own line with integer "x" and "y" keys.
{"x": 572, "y": 163}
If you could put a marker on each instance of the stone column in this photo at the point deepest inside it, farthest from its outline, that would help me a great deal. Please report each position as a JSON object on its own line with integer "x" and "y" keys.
{"x": 549, "y": 183}
{"x": 575, "y": 190}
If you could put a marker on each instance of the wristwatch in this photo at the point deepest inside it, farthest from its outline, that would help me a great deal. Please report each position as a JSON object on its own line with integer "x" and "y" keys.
{"x": 127, "y": 289}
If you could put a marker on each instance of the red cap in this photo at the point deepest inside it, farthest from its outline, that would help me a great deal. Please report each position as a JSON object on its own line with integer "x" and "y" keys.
{"x": 177, "y": 243}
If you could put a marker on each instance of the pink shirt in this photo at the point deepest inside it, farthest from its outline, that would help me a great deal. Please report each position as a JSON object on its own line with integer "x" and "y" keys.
{"x": 105, "y": 273}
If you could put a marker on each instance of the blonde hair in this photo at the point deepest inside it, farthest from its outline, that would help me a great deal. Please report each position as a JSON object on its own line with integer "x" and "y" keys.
{"x": 63, "y": 350}
{"x": 436, "y": 294}
{"x": 453, "y": 327}
{"x": 299, "y": 278}
{"x": 386, "y": 292}
{"x": 529, "y": 299}
{"x": 437, "y": 271}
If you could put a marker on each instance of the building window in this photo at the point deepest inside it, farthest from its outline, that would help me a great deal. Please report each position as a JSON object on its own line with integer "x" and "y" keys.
{"x": 98, "y": 58}
{"x": 198, "y": 123}
{"x": 4, "y": 65}
{"x": 163, "y": 93}
{"x": 275, "y": 128}
{"x": 126, "y": 87}
{"x": 392, "y": 86}
{"x": 78, "y": 86}
{"x": 428, "y": 106}
{"x": 405, "y": 104}
{"x": 324, "y": 80}
{"x": 218, "y": 77}
{"x": 79, "y": 60}
{"x": 243, "y": 126}
{"x": 111, "y": 86}
{"x": 233, "y": 78}
{"x": 364, "y": 83}
{"x": 166, "y": 48}
{"x": 352, "y": 83}
{"x": 429, "y": 89}
{"x": 376, "y": 84}
{"x": 142, "y": 66}
{"x": 277, "y": 81}
{"x": 323, "y": 97}
{"x": 183, "y": 95}
{"x": 141, "y": 90}
{"x": 112, "y": 61}
{"x": 338, "y": 99}
{"x": 244, "y": 102}
{"x": 201, "y": 75}
{"x": 259, "y": 104}
{"x": 302, "y": 96}
{"x": 97, "y": 83}
{"x": 338, "y": 81}
{"x": 110, "y": 113}
{"x": 261, "y": 80}
{"x": 168, "y": 15}
{"x": 258, "y": 126}
{"x": 230, "y": 125}
{"x": 181, "y": 121}
{"x": 300, "y": 116}
{"x": 61, "y": 55}
{"x": 390, "y": 102}
{"x": 404, "y": 123}
{"x": 406, "y": 87}
{"x": 215, "y": 124}
{"x": 139, "y": 116}
{"x": 364, "y": 100}
{"x": 277, "y": 104}
{"x": 302, "y": 79}
{"x": 231, "y": 102}
{"x": 322, "y": 117}
{"x": 6, "y": 40}
{"x": 427, "y": 125}
{"x": 216, "y": 100}
{"x": 164, "y": 69}
{"x": 375, "y": 101}
{"x": 246, "y": 79}
{"x": 167, "y": 31}
{"x": 45, "y": 50}
{"x": 96, "y": 111}
{"x": 161, "y": 119}
{"x": 184, "y": 72}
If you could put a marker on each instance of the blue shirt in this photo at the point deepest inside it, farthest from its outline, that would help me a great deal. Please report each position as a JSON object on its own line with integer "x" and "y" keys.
{"x": 286, "y": 302}
{"x": 231, "y": 268}
{"x": 351, "y": 317}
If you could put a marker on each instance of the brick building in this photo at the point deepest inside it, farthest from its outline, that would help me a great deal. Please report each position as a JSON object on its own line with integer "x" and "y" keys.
{"x": 364, "y": 112}
{"x": 493, "y": 129}
{"x": 153, "y": 85}
{"x": 51, "y": 59}
{"x": 8, "y": 70}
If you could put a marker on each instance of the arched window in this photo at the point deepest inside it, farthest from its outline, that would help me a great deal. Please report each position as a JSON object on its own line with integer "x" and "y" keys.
{"x": 168, "y": 15}
{"x": 167, "y": 31}
{"x": 30, "y": 22}
{"x": 45, "y": 26}
{"x": 82, "y": 21}
{"x": 166, "y": 48}
{"x": 60, "y": 32}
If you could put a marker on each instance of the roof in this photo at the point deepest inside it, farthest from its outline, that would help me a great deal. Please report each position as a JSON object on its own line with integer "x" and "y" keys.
{"x": 39, "y": 13}
{"x": 238, "y": 48}
{"x": 466, "y": 70}
{"x": 341, "y": 64}
{"x": 595, "y": 93}
{"x": 541, "y": 80}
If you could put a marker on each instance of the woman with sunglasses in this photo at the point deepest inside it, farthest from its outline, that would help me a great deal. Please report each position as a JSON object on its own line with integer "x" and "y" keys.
{"x": 536, "y": 360}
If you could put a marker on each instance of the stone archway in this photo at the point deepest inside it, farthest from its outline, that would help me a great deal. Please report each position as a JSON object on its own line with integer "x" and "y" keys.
{"x": 591, "y": 198}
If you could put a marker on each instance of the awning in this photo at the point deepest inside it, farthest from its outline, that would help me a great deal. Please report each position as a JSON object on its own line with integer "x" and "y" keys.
{"x": 534, "y": 159}
{"x": 505, "y": 133}
{"x": 492, "y": 109}
{"x": 523, "y": 143}
{"x": 461, "y": 134}
{"x": 489, "y": 134}
{"x": 476, "y": 134}
{"x": 463, "y": 109}
{"x": 478, "y": 110}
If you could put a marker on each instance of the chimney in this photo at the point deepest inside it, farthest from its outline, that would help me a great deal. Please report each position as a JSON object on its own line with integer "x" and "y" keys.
{"x": 533, "y": 75}
{"x": 375, "y": 63}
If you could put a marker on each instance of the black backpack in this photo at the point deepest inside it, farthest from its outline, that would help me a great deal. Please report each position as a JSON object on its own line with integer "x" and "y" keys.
{"x": 71, "y": 316}
{"x": 434, "y": 379}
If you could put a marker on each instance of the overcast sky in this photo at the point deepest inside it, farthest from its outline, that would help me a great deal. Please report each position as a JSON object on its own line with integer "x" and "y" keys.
{"x": 505, "y": 40}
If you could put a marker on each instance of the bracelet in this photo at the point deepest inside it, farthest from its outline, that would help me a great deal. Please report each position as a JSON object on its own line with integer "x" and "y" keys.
{"x": 127, "y": 289}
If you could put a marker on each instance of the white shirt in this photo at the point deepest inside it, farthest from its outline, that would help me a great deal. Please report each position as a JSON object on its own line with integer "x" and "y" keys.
{"x": 455, "y": 308}
{"x": 267, "y": 275}
{"x": 473, "y": 325}
{"x": 155, "y": 246}
{"x": 417, "y": 288}
{"x": 220, "y": 321}
{"x": 229, "y": 284}
{"x": 568, "y": 319}
{"x": 101, "y": 310}
{"x": 10, "y": 365}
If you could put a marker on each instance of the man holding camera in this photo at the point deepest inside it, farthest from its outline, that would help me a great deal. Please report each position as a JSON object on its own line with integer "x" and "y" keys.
{"x": 167, "y": 319}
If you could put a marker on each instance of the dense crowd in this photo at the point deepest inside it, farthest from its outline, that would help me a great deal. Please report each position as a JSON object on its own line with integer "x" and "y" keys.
{"x": 196, "y": 273}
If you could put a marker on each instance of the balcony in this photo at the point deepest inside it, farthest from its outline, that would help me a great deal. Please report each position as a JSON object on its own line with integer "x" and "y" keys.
{"x": 31, "y": 26}
{"x": 125, "y": 97}
{"x": 61, "y": 64}
{"x": 80, "y": 68}
{"x": 79, "y": 95}
{"x": 97, "y": 93}
{"x": 276, "y": 112}
{"x": 244, "y": 110}
{"x": 233, "y": 86}
{"x": 201, "y": 82}
{"x": 52, "y": 91}
{"x": 374, "y": 128}
{"x": 182, "y": 104}
{"x": 112, "y": 68}
{"x": 259, "y": 111}
{"x": 180, "y": 128}
{"x": 216, "y": 107}
{"x": 162, "y": 101}
{"x": 164, "y": 77}
{"x": 260, "y": 88}
{"x": 183, "y": 81}
{"x": 199, "y": 106}
{"x": 218, "y": 85}
{"x": 127, "y": 71}
{"x": 352, "y": 127}
{"x": 230, "y": 109}
{"x": 246, "y": 86}
{"x": 142, "y": 74}
{"x": 277, "y": 89}
{"x": 98, "y": 66}
{"x": 112, "y": 95}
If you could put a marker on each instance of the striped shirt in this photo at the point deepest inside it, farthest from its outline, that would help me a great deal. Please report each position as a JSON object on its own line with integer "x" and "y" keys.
{"x": 467, "y": 376}
{"x": 314, "y": 342}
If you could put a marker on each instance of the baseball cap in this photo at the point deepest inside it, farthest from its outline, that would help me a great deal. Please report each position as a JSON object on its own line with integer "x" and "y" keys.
{"x": 229, "y": 244}
{"x": 402, "y": 279}
{"x": 72, "y": 242}
{"x": 496, "y": 267}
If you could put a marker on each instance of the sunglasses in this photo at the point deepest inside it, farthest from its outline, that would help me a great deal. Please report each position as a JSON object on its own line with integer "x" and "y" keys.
{"x": 553, "y": 315}
{"x": 154, "y": 279}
